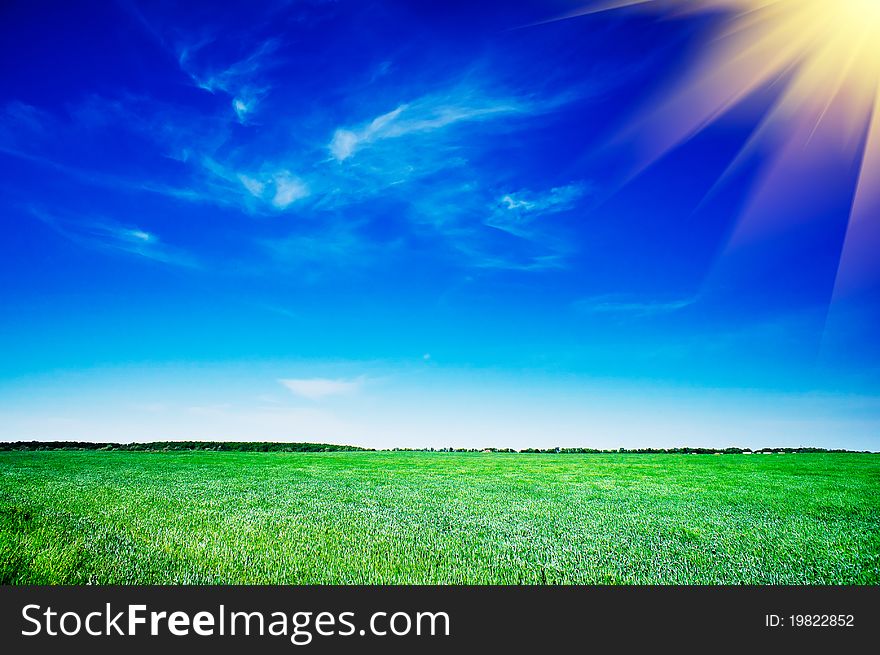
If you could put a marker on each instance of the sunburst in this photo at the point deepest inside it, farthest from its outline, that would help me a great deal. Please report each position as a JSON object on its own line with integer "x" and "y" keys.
{"x": 825, "y": 55}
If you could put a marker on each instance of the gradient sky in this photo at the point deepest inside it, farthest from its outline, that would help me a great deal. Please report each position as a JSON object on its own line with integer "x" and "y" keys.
{"x": 396, "y": 224}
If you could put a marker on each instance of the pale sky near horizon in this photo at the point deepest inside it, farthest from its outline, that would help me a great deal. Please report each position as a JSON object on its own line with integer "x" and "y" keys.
{"x": 421, "y": 406}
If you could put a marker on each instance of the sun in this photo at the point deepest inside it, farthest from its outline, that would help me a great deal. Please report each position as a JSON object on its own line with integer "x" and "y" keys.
{"x": 825, "y": 56}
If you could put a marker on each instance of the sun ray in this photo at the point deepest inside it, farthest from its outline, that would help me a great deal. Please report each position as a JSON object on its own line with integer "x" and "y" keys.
{"x": 825, "y": 56}
{"x": 858, "y": 260}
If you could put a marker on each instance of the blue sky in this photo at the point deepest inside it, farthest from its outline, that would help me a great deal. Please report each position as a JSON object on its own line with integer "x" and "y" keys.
{"x": 391, "y": 223}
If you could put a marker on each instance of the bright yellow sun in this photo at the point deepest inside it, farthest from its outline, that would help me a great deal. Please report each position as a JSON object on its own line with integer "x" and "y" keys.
{"x": 825, "y": 56}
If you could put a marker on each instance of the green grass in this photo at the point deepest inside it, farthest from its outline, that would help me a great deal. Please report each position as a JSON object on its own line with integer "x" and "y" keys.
{"x": 424, "y": 518}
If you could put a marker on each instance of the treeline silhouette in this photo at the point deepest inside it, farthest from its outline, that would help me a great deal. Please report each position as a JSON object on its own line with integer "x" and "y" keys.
{"x": 156, "y": 446}
{"x": 305, "y": 447}
{"x": 647, "y": 451}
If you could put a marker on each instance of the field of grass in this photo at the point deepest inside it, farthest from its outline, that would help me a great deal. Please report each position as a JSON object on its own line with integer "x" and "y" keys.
{"x": 402, "y": 518}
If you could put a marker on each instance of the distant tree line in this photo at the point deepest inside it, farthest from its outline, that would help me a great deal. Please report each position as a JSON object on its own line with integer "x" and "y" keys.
{"x": 159, "y": 446}
{"x": 686, "y": 450}
{"x": 277, "y": 446}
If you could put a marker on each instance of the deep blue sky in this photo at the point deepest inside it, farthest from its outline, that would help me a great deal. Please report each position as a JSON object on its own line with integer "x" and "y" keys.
{"x": 398, "y": 223}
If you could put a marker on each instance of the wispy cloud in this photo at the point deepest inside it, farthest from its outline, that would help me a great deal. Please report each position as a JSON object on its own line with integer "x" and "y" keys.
{"x": 515, "y": 212}
{"x": 245, "y": 102}
{"x": 556, "y": 199}
{"x": 426, "y": 114}
{"x": 109, "y": 235}
{"x": 341, "y": 179}
{"x": 236, "y": 62}
{"x": 485, "y": 233}
{"x": 276, "y": 188}
{"x": 470, "y": 219}
{"x": 400, "y": 154}
{"x": 346, "y": 141}
{"x": 40, "y": 138}
{"x": 239, "y": 79}
{"x": 628, "y": 305}
{"x": 288, "y": 189}
{"x": 280, "y": 188}
{"x": 320, "y": 388}
{"x": 207, "y": 77}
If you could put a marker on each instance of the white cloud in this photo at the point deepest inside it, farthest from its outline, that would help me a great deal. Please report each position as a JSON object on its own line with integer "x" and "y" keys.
{"x": 511, "y": 202}
{"x": 254, "y": 186}
{"x": 320, "y": 388}
{"x": 242, "y": 108}
{"x": 288, "y": 189}
{"x": 556, "y": 199}
{"x": 245, "y": 102}
{"x": 279, "y": 188}
{"x": 135, "y": 235}
{"x": 345, "y": 142}
{"x": 515, "y": 212}
{"x": 426, "y": 114}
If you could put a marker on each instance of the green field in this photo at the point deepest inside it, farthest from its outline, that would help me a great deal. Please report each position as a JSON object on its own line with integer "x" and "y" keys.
{"x": 423, "y": 518}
